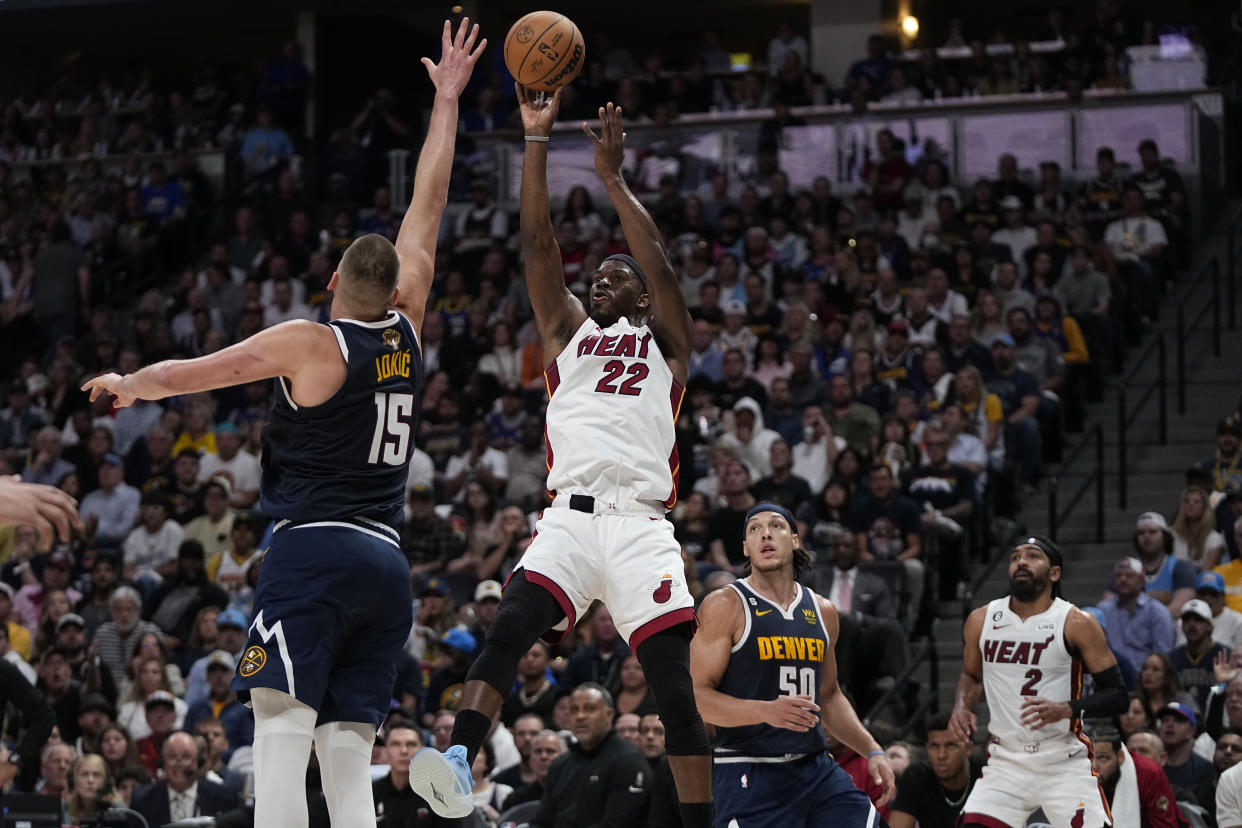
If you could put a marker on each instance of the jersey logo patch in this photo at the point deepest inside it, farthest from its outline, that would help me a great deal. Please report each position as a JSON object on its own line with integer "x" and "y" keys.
{"x": 1077, "y": 819}
{"x": 252, "y": 662}
{"x": 761, "y": 613}
{"x": 662, "y": 590}
{"x": 392, "y": 338}
{"x": 745, "y": 781}
{"x": 809, "y": 616}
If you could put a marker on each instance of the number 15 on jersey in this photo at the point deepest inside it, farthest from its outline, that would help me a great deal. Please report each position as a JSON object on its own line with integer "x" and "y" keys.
{"x": 394, "y": 418}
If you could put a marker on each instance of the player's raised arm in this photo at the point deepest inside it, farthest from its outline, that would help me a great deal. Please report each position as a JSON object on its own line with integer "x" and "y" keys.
{"x": 416, "y": 242}
{"x": 558, "y": 313}
{"x": 839, "y": 717}
{"x": 300, "y": 350}
{"x": 720, "y": 622}
{"x": 1084, "y": 636}
{"x": 669, "y": 316}
{"x": 970, "y": 682}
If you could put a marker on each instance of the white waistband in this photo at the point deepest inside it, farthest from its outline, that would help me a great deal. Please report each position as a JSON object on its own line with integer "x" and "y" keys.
{"x": 736, "y": 759}
{"x": 642, "y": 508}
{"x": 372, "y": 527}
{"x": 1030, "y": 747}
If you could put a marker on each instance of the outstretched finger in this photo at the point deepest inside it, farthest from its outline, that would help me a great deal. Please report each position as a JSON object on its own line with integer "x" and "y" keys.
{"x": 590, "y": 132}
{"x": 460, "y": 38}
{"x": 478, "y": 49}
{"x": 446, "y": 37}
{"x": 472, "y": 37}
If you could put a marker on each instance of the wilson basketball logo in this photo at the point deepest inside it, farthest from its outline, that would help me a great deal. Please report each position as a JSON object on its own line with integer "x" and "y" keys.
{"x": 252, "y": 661}
{"x": 662, "y": 589}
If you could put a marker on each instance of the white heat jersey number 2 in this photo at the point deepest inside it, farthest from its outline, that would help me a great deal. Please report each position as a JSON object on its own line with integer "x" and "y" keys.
{"x": 392, "y": 428}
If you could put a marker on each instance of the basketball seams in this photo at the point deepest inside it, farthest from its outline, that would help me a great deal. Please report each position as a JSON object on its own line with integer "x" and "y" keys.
{"x": 534, "y": 44}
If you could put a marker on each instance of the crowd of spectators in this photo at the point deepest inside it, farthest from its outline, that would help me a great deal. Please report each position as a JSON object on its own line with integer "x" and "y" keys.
{"x": 894, "y": 365}
{"x": 1087, "y": 52}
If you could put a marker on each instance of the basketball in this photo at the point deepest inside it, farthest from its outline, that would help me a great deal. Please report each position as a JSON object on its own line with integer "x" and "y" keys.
{"x": 544, "y": 50}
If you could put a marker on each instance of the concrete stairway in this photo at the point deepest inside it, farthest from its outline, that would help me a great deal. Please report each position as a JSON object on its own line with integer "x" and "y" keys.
{"x": 1155, "y": 472}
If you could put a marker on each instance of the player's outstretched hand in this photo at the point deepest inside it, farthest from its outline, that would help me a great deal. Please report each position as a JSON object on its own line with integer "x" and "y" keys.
{"x": 1223, "y": 667}
{"x": 610, "y": 143}
{"x": 882, "y": 774}
{"x": 458, "y": 54}
{"x": 538, "y": 115}
{"x": 962, "y": 724}
{"x": 1037, "y": 712}
{"x": 113, "y": 384}
{"x": 797, "y": 713}
{"x": 47, "y": 508}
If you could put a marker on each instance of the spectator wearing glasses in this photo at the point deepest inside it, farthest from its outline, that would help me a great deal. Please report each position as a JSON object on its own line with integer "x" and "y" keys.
{"x": 1228, "y": 752}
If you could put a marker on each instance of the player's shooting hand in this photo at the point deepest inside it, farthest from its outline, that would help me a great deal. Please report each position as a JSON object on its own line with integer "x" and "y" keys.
{"x": 962, "y": 724}
{"x": 882, "y": 774}
{"x": 1037, "y": 712}
{"x": 610, "y": 143}
{"x": 797, "y": 713}
{"x": 458, "y": 54}
{"x": 537, "y": 118}
{"x": 113, "y": 384}
{"x": 52, "y": 512}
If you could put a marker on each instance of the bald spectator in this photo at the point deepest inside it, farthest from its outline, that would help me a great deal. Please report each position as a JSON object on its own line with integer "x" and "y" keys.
{"x": 182, "y": 793}
{"x": 545, "y": 748}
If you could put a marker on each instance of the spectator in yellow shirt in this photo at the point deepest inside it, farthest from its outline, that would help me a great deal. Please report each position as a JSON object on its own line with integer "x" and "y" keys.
{"x": 198, "y": 434}
{"x": 1231, "y": 572}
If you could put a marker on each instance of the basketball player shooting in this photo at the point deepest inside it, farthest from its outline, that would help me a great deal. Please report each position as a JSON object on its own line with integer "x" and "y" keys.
{"x": 1026, "y": 651}
{"x": 615, "y": 380}
{"x": 333, "y": 603}
{"x": 765, "y": 673}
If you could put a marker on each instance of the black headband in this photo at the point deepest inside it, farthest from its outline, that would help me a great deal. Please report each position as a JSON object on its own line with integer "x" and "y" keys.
{"x": 629, "y": 262}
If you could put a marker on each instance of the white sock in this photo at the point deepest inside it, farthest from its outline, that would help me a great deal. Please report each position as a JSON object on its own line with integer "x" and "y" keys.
{"x": 283, "y": 730}
{"x": 344, "y": 750}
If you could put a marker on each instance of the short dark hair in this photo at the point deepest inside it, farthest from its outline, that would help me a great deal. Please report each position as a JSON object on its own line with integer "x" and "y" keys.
{"x": 601, "y": 689}
{"x": 937, "y": 722}
{"x": 1107, "y": 733}
{"x": 368, "y": 271}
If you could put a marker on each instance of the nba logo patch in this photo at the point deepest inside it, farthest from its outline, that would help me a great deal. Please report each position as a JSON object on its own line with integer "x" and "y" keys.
{"x": 745, "y": 781}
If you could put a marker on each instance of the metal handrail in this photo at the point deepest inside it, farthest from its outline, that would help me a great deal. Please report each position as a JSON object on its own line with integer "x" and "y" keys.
{"x": 1231, "y": 267}
{"x": 926, "y": 650}
{"x": 1055, "y": 517}
{"x": 1126, "y": 418}
{"x": 1184, "y": 331}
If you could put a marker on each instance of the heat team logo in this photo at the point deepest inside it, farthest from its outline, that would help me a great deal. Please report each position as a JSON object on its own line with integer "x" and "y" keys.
{"x": 1076, "y": 820}
{"x": 252, "y": 661}
{"x": 392, "y": 338}
{"x": 662, "y": 589}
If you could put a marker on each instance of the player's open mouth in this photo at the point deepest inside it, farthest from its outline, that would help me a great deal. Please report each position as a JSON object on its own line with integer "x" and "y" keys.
{"x": 768, "y": 549}
{"x": 599, "y": 297}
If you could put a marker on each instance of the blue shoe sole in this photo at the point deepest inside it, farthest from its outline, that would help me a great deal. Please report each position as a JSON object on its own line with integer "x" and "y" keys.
{"x": 434, "y": 778}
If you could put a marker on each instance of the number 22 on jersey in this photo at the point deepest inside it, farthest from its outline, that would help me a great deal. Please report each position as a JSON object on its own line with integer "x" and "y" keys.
{"x": 394, "y": 414}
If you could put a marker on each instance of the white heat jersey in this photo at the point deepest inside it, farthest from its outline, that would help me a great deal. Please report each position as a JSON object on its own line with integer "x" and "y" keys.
{"x": 612, "y": 405}
{"x": 1027, "y": 658}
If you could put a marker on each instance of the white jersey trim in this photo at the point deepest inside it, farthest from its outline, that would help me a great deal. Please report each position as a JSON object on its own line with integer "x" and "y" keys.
{"x": 340, "y": 340}
{"x": 356, "y": 528}
{"x": 741, "y": 642}
{"x": 284, "y": 386}
{"x": 386, "y": 322}
{"x": 787, "y": 614}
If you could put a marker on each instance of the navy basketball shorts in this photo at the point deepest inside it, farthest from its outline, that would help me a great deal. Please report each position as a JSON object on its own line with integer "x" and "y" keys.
{"x": 332, "y": 612}
{"x": 812, "y": 792}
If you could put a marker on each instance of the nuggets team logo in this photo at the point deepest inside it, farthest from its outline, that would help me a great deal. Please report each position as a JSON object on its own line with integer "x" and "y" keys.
{"x": 524, "y": 34}
{"x": 1076, "y": 821}
{"x": 809, "y": 616}
{"x": 252, "y": 661}
{"x": 662, "y": 590}
{"x": 392, "y": 338}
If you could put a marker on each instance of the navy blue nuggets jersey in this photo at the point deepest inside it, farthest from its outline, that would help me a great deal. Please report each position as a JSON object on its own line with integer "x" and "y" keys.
{"x": 780, "y": 654}
{"x": 349, "y": 457}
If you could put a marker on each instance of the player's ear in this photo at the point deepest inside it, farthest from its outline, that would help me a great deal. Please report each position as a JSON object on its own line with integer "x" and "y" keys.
{"x": 395, "y": 301}
{"x": 334, "y": 281}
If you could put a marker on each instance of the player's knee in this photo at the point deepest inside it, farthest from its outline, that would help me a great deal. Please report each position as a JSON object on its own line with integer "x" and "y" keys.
{"x": 666, "y": 661}
{"x": 525, "y": 613}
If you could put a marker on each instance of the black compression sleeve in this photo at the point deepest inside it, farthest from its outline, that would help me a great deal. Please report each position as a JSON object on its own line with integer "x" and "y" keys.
{"x": 1109, "y": 699}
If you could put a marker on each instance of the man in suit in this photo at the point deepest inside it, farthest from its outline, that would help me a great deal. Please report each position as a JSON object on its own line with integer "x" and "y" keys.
{"x": 182, "y": 793}
{"x": 869, "y": 622}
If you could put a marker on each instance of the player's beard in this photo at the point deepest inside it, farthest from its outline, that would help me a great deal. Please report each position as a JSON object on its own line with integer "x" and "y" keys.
{"x": 1029, "y": 589}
